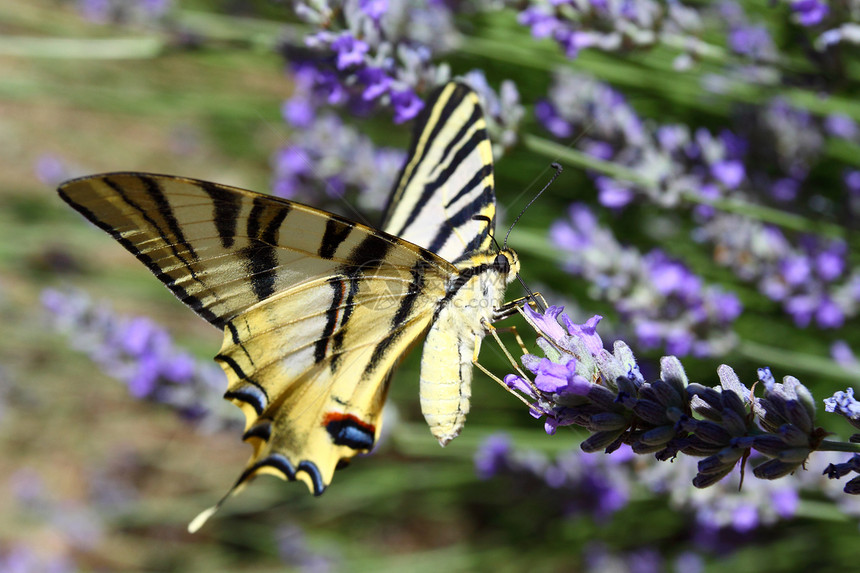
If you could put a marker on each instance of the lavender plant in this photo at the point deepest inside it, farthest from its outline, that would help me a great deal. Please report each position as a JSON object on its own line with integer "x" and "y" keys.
{"x": 578, "y": 382}
{"x": 662, "y": 302}
{"x": 807, "y": 275}
{"x": 757, "y": 160}
{"x": 141, "y": 355}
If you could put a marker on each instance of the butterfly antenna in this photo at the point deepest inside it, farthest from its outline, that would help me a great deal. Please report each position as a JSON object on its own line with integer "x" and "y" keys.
{"x": 558, "y": 169}
{"x": 489, "y": 223}
{"x": 531, "y": 295}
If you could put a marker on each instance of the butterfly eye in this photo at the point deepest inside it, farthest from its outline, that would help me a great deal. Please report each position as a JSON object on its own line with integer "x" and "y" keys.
{"x": 501, "y": 264}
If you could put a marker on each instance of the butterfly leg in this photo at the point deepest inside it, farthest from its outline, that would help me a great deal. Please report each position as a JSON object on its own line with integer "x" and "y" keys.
{"x": 514, "y": 306}
{"x": 494, "y": 333}
{"x": 499, "y": 381}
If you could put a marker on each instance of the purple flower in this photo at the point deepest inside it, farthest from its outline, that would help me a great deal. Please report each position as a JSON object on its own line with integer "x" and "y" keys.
{"x": 612, "y": 193}
{"x": 843, "y": 356}
{"x": 376, "y": 82}
{"x": 406, "y": 105}
{"x": 298, "y": 112}
{"x": 547, "y": 322}
{"x": 375, "y": 9}
{"x": 785, "y": 189}
{"x": 829, "y": 314}
{"x": 350, "y": 51}
{"x": 51, "y": 169}
{"x": 142, "y": 355}
{"x": 830, "y": 263}
{"x": 729, "y": 172}
{"x": 852, "y": 180}
{"x": 785, "y": 502}
{"x": 559, "y": 378}
{"x": 809, "y": 12}
{"x": 844, "y": 404}
{"x": 648, "y": 333}
{"x": 546, "y": 114}
{"x": 728, "y": 306}
{"x": 515, "y": 382}
{"x": 841, "y": 125}
{"x": 796, "y": 270}
{"x": 587, "y": 332}
{"x": 542, "y": 24}
{"x": 493, "y": 456}
{"x": 745, "y": 518}
{"x": 752, "y": 41}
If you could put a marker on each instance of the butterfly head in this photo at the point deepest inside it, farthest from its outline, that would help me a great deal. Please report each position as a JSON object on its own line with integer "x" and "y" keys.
{"x": 507, "y": 264}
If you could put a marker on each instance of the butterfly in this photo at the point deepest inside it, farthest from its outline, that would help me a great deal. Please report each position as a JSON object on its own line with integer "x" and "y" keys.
{"x": 316, "y": 309}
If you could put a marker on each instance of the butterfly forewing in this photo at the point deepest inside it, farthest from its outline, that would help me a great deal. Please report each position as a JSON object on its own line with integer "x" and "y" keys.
{"x": 221, "y": 249}
{"x": 447, "y": 180}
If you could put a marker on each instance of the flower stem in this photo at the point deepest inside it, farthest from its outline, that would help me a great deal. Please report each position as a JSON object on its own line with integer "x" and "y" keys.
{"x": 144, "y": 47}
{"x": 831, "y": 446}
{"x": 570, "y": 156}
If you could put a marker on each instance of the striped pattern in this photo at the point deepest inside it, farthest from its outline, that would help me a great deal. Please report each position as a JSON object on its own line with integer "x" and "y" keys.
{"x": 447, "y": 180}
{"x": 221, "y": 249}
{"x": 317, "y": 309}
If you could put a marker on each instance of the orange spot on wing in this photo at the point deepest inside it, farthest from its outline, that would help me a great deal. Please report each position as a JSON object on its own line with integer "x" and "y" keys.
{"x": 341, "y": 417}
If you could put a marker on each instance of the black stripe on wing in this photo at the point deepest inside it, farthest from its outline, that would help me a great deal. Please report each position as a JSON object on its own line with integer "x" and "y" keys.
{"x": 464, "y": 148}
{"x": 404, "y": 310}
{"x": 178, "y": 290}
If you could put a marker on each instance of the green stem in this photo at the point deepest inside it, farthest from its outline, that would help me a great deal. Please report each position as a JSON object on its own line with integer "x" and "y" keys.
{"x": 257, "y": 32}
{"x": 794, "y": 361}
{"x": 831, "y": 446}
{"x": 570, "y": 156}
{"x": 144, "y": 47}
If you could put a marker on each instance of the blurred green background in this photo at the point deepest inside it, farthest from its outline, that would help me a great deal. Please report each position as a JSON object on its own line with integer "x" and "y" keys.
{"x": 212, "y": 111}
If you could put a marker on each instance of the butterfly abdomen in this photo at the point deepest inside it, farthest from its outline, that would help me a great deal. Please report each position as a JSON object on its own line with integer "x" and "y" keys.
{"x": 446, "y": 363}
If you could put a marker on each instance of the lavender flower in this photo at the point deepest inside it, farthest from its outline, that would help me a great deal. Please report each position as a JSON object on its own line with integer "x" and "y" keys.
{"x": 844, "y": 404}
{"x": 809, "y": 12}
{"x": 681, "y": 162}
{"x": 330, "y": 159}
{"x": 811, "y": 281}
{"x": 123, "y": 11}
{"x": 375, "y": 52}
{"x": 613, "y": 26}
{"x": 20, "y": 558}
{"x": 605, "y": 393}
{"x": 580, "y": 483}
{"x": 664, "y": 303}
{"x": 141, "y": 354}
{"x": 836, "y": 471}
{"x": 502, "y": 111}
{"x": 844, "y": 356}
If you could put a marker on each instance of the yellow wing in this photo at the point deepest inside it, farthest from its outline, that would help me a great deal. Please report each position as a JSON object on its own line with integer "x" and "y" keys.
{"x": 309, "y": 368}
{"x": 221, "y": 249}
{"x": 447, "y": 180}
{"x": 315, "y": 308}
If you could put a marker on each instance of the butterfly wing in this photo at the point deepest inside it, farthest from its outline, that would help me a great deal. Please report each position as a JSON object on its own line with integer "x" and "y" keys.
{"x": 447, "y": 180}
{"x": 309, "y": 367}
{"x": 315, "y": 308}
{"x": 221, "y": 249}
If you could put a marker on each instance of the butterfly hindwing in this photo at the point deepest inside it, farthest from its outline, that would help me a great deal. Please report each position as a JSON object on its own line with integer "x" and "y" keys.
{"x": 447, "y": 180}
{"x": 309, "y": 367}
